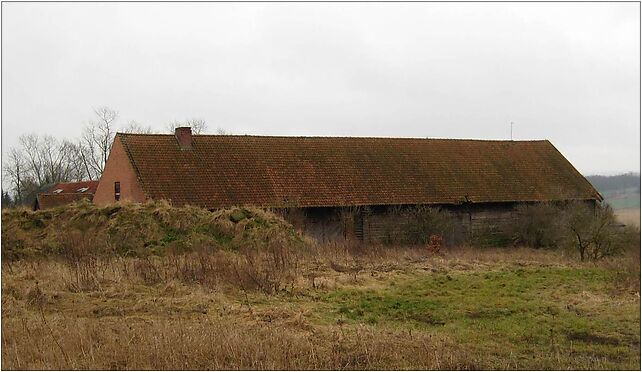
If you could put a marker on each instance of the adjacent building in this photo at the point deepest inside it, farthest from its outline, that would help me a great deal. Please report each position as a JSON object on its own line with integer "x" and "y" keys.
{"x": 65, "y": 193}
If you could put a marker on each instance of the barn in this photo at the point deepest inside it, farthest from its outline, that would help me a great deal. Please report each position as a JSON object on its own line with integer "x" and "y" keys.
{"x": 342, "y": 187}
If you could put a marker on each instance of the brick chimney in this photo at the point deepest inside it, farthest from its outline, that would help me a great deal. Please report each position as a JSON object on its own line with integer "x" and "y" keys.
{"x": 184, "y": 137}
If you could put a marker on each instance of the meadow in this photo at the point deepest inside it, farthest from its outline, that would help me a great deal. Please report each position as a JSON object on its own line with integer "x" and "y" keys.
{"x": 463, "y": 309}
{"x": 628, "y": 216}
{"x": 336, "y": 306}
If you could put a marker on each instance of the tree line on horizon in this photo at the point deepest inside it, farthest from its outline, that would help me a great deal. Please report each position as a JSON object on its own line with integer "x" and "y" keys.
{"x": 630, "y": 180}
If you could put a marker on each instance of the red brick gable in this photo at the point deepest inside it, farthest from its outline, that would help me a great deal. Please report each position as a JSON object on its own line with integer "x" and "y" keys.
{"x": 119, "y": 169}
{"x": 220, "y": 171}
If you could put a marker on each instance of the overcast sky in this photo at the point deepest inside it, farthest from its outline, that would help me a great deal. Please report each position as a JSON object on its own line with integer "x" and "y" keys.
{"x": 564, "y": 72}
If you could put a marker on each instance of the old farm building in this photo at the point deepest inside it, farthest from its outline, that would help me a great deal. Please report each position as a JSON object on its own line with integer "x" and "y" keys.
{"x": 323, "y": 177}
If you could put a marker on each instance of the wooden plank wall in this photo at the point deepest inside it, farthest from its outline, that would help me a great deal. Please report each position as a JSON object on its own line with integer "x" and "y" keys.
{"x": 383, "y": 225}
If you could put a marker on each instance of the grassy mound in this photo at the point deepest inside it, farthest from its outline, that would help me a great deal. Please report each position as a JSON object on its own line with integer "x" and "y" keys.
{"x": 139, "y": 229}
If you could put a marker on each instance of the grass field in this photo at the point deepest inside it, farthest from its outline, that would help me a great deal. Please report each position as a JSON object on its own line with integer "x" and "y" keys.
{"x": 623, "y": 198}
{"x": 376, "y": 308}
{"x": 629, "y": 216}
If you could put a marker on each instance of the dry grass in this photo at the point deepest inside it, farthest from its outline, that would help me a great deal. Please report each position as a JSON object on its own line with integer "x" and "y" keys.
{"x": 628, "y": 216}
{"x": 172, "y": 312}
{"x": 205, "y": 342}
{"x": 133, "y": 229}
{"x": 239, "y": 289}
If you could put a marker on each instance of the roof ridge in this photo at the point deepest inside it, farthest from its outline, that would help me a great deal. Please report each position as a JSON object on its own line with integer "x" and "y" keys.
{"x": 73, "y": 182}
{"x": 331, "y": 137}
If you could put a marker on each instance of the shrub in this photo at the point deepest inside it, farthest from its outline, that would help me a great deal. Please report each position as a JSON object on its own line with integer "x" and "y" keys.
{"x": 593, "y": 231}
{"x": 423, "y": 222}
{"x": 589, "y": 230}
{"x": 538, "y": 225}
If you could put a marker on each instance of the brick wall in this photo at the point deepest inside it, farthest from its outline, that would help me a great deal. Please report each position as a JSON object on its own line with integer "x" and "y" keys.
{"x": 118, "y": 169}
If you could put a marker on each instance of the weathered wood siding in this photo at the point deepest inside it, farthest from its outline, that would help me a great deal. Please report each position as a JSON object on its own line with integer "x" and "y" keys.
{"x": 477, "y": 223}
{"x": 383, "y": 227}
{"x": 486, "y": 224}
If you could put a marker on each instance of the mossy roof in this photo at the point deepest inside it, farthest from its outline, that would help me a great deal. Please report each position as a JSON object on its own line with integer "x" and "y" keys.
{"x": 223, "y": 170}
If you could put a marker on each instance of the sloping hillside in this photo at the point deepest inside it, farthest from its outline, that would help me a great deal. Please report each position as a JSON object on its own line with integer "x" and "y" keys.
{"x": 138, "y": 229}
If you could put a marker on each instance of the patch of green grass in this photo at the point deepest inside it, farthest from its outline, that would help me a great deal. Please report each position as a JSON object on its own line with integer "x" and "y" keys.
{"x": 503, "y": 312}
{"x": 171, "y": 235}
{"x": 632, "y": 201}
{"x": 238, "y": 215}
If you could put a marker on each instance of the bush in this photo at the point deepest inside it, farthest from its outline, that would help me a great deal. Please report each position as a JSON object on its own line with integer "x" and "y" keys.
{"x": 591, "y": 231}
{"x": 423, "y": 222}
{"x": 538, "y": 226}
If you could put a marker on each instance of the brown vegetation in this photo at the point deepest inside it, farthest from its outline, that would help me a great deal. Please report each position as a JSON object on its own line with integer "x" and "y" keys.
{"x": 590, "y": 231}
{"x": 629, "y": 216}
{"x": 193, "y": 311}
{"x": 153, "y": 228}
{"x": 256, "y": 297}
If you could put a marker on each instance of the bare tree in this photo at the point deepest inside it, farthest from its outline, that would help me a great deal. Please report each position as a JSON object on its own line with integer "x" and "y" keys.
{"x": 593, "y": 231}
{"x": 199, "y": 126}
{"x": 58, "y": 163}
{"x": 136, "y": 127}
{"x": 39, "y": 162}
{"x": 96, "y": 141}
{"x": 6, "y": 200}
{"x": 13, "y": 168}
{"x": 172, "y": 125}
{"x": 30, "y": 144}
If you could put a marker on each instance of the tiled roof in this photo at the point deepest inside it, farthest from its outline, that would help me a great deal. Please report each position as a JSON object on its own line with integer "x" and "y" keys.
{"x": 73, "y": 187}
{"x": 221, "y": 171}
{"x": 65, "y": 193}
{"x": 53, "y": 200}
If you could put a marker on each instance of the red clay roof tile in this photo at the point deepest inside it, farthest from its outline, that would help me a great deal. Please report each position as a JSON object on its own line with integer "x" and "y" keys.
{"x": 73, "y": 187}
{"x": 69, "y": 192}
{"x": 221, "y": 171}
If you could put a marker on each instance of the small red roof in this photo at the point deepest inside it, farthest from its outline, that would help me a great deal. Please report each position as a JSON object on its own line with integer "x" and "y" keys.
{"x": 82, "y": 187}
{"x": 65, "y": 193}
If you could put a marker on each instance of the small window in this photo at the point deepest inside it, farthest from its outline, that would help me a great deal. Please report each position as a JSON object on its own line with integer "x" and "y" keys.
{"x": 82, "y": 189}
{"x": 117, "y": 191}
{"x": 57, "y": 191}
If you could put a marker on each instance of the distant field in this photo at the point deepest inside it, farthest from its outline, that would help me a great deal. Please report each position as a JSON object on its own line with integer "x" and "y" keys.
{"x": 621, "y": 191}
{"x": 629, "y": 216}
{"x": 623, "y": 199}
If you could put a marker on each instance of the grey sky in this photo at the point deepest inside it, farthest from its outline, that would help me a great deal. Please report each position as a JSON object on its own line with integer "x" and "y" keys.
{"x": 565, "y": 72}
